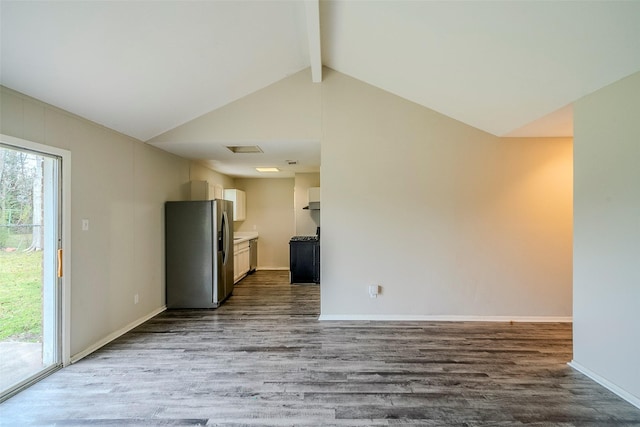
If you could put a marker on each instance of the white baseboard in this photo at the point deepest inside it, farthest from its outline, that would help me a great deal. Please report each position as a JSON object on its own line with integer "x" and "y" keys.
{"x": 272, "y": 268}
{"x": 444, "y": 318}
{"x": 634, "y": 400}
{"x": 106, "y": 340}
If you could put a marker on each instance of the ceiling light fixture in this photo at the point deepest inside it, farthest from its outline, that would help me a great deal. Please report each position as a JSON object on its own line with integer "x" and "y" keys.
{"x": 244, "y": 149}
{"x": 268, "y": 169}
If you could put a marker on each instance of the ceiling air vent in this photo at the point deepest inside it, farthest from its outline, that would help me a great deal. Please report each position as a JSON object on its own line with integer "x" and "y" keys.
{"x": 291, "y": 162}
{"x": 244, "y": 149}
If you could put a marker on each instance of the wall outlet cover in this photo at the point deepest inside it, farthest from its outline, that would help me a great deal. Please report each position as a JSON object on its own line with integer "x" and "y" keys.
{"x": 374, "y": 290}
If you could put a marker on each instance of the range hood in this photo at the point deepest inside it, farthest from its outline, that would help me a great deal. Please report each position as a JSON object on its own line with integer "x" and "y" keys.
{"x": 314, "y": 199}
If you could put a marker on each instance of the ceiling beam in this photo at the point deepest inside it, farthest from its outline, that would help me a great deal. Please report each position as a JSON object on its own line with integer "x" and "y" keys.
{"x": 313, "y": 35}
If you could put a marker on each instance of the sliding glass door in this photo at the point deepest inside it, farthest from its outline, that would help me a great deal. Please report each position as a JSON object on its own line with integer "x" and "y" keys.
{"x": 30, "y": 266}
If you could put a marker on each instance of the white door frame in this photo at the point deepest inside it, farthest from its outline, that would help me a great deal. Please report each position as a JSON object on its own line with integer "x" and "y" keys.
{"x": 65, "y": 210}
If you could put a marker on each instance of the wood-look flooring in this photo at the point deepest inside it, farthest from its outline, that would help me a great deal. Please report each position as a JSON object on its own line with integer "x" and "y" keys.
{"x": 263, "y": 358}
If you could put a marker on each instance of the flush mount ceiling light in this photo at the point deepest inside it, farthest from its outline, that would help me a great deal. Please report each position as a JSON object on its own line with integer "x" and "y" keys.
{"x": 268, "y": 169}
{"x": 244, "y": 149}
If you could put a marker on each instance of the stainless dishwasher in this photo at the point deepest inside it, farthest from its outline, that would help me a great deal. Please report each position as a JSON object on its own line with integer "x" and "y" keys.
{"x": 253, "y": 255}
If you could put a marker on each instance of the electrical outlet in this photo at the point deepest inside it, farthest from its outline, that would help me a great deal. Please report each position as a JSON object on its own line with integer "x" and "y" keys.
{"x": 136, "y": 299}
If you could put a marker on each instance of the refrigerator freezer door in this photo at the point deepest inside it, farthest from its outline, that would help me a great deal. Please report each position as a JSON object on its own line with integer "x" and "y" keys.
{"x": 223, "y": 267}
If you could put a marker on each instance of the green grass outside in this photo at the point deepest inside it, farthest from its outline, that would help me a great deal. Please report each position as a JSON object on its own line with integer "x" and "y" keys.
{"x": 18, "y": 242}
{"x": 21, "y": 296}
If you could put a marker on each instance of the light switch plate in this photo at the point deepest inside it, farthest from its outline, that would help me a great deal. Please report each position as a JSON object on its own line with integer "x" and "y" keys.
{"x": 374, "y": 290}
{"x": 85, "y": 225}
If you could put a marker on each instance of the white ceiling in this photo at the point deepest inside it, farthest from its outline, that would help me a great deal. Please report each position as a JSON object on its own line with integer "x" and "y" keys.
{"x": 495, "y": 65}
{"x": 511, "y": 68}
{"x": 275, "y": 154}
{"x": 144, "y": 67}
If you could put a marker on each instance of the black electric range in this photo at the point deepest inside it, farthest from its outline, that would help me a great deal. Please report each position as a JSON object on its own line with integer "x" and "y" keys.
{"x": 304, "y": 259}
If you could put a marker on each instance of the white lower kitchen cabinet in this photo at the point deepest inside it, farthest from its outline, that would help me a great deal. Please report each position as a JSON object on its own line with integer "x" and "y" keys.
{"x": 241, "y": 260}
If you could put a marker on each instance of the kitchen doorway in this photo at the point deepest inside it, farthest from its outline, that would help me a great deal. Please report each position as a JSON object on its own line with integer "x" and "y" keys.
{"x": 32, "y": 291}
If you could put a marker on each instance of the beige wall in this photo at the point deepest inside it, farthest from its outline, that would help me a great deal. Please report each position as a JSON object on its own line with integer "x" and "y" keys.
{"x": 120, "y": 185}
{"x": 306, "y": 220}
{"x": 449, "y": 220}
{"x": 607, "y": 236}
{"x": 288, "y": 110}
{"x": 270, "y": 213}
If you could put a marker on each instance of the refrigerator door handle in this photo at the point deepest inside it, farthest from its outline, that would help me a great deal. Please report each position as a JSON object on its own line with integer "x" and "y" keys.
{"x": 225, "y": 237}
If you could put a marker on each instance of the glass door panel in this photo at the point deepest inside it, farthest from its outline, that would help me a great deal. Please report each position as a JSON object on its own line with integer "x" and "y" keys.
{"x": 29, "y": 285}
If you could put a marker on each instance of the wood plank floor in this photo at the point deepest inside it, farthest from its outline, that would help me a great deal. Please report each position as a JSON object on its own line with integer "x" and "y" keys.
{"x": 264, "y": 359}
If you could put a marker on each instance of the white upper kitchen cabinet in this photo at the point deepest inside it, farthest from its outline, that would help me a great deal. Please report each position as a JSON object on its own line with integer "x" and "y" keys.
{"x": 314, "y": 198}
{"x": 201, "y": 190}
{"x": 239, "y": 199}
{"x": 314, "y": 194}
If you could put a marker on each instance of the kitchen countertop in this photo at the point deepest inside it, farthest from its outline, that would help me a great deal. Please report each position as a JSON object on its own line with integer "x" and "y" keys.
{"x": 243, "y": 236}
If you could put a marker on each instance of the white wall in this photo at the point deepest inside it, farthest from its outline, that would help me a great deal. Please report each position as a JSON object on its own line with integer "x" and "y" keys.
{"x": 451, "y": 221}
{"x": 120, "y": 185}
{"x": 270, "y": 213}
{"x": 607, "y": 236}
{"x": 306, "y": 220}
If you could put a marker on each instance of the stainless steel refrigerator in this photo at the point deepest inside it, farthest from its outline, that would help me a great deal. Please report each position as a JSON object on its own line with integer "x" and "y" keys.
{"x": 199, "y": 253}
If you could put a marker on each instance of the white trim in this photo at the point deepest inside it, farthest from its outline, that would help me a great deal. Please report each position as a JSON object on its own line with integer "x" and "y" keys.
{"x": 112, "y": 336}
{"x": 65, "y": 155}
{"x": 66, "y": 261}
{"x": 272, "y": 268}
{"x": 634, "y": 400}
{"x": 443, "y": 318}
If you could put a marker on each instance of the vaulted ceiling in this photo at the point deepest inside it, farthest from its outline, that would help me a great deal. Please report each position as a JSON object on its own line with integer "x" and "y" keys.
{"x": 144, "y": 67}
